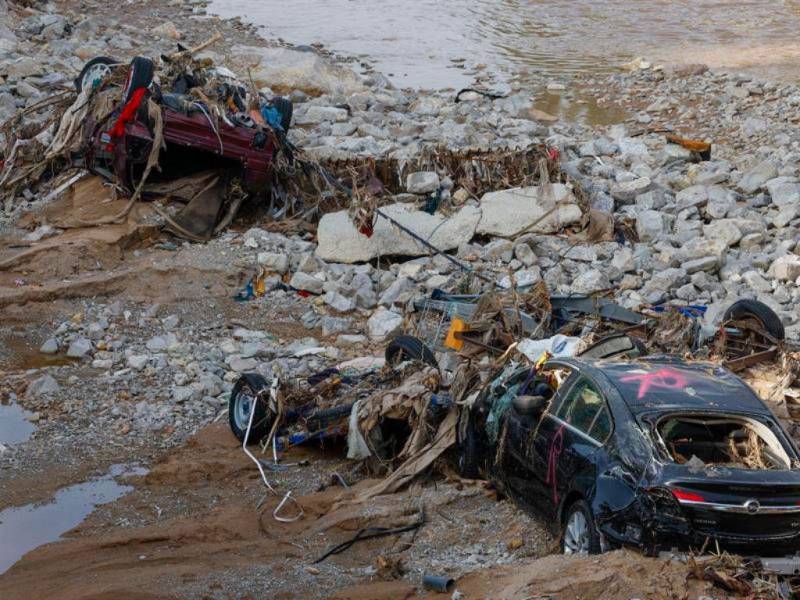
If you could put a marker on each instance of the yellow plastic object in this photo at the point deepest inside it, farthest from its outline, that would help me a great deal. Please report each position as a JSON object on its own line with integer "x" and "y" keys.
{"x": 452, "y": 341}
{"x": 541, "y": 360}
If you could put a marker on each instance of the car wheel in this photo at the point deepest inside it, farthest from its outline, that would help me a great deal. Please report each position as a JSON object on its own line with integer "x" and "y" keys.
{"x": 94, "y": 71}
{"x": 744, "y": 309}
{"x": 404, "y": 347}
{"x": 250, "y": 390}
{"x": 580, "y": 532}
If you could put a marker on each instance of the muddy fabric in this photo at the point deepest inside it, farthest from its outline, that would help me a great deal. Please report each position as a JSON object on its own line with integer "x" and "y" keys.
{"x": 398, "y": 403}
{"x": 200, "y": 216}
{"x": 417, "y": 463}
{"x": 357, "y": 448}
{"x": 185, "y": 188}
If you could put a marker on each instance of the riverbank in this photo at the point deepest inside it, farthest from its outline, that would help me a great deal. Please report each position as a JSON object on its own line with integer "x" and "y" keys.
{"x": 123, "y": 344}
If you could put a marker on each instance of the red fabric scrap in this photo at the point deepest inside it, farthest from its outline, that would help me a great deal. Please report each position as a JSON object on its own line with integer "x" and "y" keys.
{"x": 127, "y": 114}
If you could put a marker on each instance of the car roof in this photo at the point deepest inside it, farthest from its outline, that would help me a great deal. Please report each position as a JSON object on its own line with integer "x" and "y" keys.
{"x": 670, "y": 383}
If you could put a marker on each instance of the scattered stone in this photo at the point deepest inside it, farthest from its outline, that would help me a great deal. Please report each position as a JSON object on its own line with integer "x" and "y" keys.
{"x": 49, "y": 347}
{"x": 305, "y": 282}
{"x": 42, "y": 386}
{"x": 422, "y": 182}
{"x": 384, "y": 323}
{"x": 138, "y": 362}
{"x": 79, "y": 348}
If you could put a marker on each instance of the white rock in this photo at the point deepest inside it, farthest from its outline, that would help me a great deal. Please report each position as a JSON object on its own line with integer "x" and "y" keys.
{"x": 756, "y": 282}
{"x": 182, "y": 394}
{"x": 756, "y": 177}
{"x": 42, "y": 386}
{"x": 786, "y": 268}
{"x": 348, "y": 339}
{"x": 338, "y": 302}
{"x": 240, "y": 333}
{"x": 724, "y": 230}
{"x": 422, "y": 182}
{"x": 167, "y": 29}
{"x": 522, "y": 278}
{"x": 137, "y": 362}
{"x": 650, "y": 225}
{"x": 410, "y": 270}
{"x": 784, "y": 192}
{"x": 627, "y": 191}
{"x": 321, "y": 114}
{"x": 436, "y": 282}
{"x": 306, "y": 282}
{"x": 339, "y": 241}
{"x": 400, "y": 292}
{"x": 49, "y": 347}
{"x": 590, "y": 281}
{"x": 383, "y": 323}
{"x": 79, "y": 347}
{"x": 696, "y": 195}
{"x": 294, "y": 68}
{"x": 507, "y": 213}
{"x": 241, "y": 364}
{"x": 275, "y": 261}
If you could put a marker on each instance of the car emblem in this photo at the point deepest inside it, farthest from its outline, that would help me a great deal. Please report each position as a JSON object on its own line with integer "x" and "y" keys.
{"x": 752, "y": 506}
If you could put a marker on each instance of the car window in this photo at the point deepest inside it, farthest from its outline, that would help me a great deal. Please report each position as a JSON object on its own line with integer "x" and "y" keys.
{"x": 585, "y": 409}
{"x": 601, "y": 428}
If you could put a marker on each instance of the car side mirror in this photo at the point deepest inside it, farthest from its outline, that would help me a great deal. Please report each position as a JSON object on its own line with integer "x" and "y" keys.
{"x": 529, "y": 406}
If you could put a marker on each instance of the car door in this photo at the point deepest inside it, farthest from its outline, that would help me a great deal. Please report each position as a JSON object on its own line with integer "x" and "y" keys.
{"x": 519, "y": 435}
{"x": 570, "y": 433}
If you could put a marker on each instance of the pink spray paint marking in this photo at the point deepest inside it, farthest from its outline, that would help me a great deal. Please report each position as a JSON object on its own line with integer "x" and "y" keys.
{"x": 556, "y": 446}
{"x": 666, "y": 378}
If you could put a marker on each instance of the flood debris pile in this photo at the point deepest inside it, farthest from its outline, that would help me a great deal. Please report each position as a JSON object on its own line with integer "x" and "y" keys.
{"x": 411, "y": 255}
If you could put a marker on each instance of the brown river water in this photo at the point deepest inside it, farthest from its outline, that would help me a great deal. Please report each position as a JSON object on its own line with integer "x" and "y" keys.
{"x": 438, "y": 43}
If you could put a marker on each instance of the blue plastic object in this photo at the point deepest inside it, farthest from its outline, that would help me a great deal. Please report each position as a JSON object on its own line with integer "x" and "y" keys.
{"x": 272, "y": 117}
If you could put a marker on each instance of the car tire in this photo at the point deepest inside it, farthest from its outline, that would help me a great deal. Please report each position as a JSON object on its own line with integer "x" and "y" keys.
{"x": 469, "y": 454}
{"x": 764, "y": 314}
{"x": 285, "y": 108}
{"x": 580, "y": 535}
{"x": 96, "y": 64}
{"x": 409, "y": 347}
{"x": 140, "y": 73}
{"x": 239, "y": 406}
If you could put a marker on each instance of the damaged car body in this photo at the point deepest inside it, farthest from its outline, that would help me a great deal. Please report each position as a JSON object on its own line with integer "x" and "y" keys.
{"x": 656, "y": 453}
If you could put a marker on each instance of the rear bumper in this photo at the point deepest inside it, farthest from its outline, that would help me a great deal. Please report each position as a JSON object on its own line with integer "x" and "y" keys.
{"x": 761, "y": 545}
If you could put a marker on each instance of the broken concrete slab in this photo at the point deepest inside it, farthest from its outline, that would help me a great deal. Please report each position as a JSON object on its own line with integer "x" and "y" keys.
{"x": 299, "y": 68}
{"x": 508, "y": 213}
{"x": 339, "y": 241}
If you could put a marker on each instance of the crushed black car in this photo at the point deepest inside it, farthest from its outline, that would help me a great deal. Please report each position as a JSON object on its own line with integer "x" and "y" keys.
{"x": 656, "y": 453}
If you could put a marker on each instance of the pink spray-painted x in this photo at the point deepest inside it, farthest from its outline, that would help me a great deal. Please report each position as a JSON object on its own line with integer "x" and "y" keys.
{"x": 665, "y": 378}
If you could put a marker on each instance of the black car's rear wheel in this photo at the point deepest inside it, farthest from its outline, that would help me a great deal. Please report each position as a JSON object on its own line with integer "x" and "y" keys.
{"x": 580, "y": 532}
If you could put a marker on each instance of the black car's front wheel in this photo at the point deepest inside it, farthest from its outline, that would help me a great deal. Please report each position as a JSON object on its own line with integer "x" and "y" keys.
{"x": 580, "y": 532}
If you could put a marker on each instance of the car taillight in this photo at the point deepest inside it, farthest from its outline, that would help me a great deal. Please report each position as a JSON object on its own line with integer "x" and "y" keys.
{"x": 687, "y": 496}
